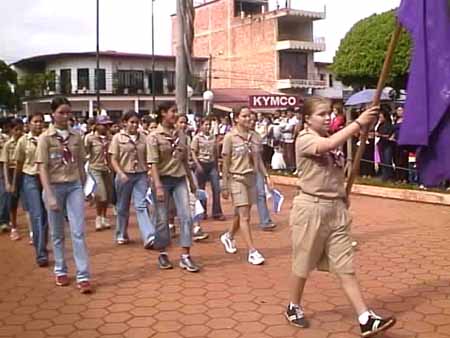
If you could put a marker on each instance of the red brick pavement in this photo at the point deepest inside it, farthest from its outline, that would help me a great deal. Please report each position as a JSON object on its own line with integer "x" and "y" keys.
{"x": 403, "y": 264}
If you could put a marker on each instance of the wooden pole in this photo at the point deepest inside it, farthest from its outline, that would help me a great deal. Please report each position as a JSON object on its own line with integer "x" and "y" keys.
{"x": 376, "y": 102}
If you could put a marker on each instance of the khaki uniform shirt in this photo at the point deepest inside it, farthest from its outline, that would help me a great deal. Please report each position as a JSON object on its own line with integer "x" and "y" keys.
{"x": 130, "y": 154}
{"x": 50, "y": 152}
{"x": 205, "y": 147}
{"x": 3, "y": 139}
{"x": 319, "y": 175}
{"x": 7, "y": 155}
{"x": 168, "y": 150}
{"x": 242, "y": 150}
{"x": 26, "y": 154}
{"x": 97, "y": 148}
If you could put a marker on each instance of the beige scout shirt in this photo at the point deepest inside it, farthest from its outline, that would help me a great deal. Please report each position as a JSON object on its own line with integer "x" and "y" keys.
{"x": 319, "y": 175}
{"x": 131, "y": 154}
{"x": 168, "y": 150}
{"x": 50, "y": 152}
{"x": 3, "y": 140}
{"x": 97, "y": 148}
{"x": 26, "y": 154}
{"x": 205, "y": 147}
{"x": 7, "y": 155}
{"x": 242, "y": 150}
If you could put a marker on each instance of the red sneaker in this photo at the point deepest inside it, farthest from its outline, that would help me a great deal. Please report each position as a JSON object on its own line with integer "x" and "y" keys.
{"x": 84, "y": 287}
{"x": 62, "y": 280}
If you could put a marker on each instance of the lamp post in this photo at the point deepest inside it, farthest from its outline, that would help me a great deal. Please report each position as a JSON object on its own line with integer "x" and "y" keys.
{"x": 153, "y": 61}
{"x": 208, "y": 98}
{"x": 97, "y": 69}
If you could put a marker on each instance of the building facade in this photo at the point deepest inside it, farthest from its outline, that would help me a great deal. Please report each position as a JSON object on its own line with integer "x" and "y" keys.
{"x": 252, "y": 47}
{"x": 125, "y": 81}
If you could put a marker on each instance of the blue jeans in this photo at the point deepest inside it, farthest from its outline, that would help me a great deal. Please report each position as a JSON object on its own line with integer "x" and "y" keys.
{"x": 210, "y": 174}
{"x": 175, "y": 187}
{"x": 4, "y": 202}
{"x": 261, "y": 203}
{"x": 32, "y": 194}
{"x": 136, "y": 187}
{"x": 70, "y": 197}
{"x": 387, "y": 153}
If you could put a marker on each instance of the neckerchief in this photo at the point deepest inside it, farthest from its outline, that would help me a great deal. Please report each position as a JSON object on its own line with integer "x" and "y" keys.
{"x": 67, "y": 154}
{"x": 105, "y": 143}
{"x": 134, "y": 143}
{"x": 248, "y": 143}
{"x": 174, "y": 140}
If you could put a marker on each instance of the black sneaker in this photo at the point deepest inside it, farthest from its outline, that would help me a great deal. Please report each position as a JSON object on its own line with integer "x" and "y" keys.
{"x": 198, "y": 234}
{"x": 164, "y": 262}
{"x": 295, "y": 316}
{"x": 375, "y": 325}
{"x": 187, "y": 263}
{"x": 42, "y": 264}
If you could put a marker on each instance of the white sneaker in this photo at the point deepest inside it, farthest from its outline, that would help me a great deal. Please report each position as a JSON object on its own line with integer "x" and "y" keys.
{"x": 98, "y": 223}
{"x": 255, "y": 258}
{"x": 228, "y": 242}
{"x": 105, "y": 223}
{"x": 114, "y": 210}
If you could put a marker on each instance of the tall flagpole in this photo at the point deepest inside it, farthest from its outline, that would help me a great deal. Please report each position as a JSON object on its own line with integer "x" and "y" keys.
{"x": 376, "y": 102}
{"x": 153, "y": 61}
{"x": 97, "y": 69}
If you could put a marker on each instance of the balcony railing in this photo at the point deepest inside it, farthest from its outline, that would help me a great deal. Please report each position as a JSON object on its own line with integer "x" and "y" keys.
{"x": 301, "y": 83}
{"x": 318, "y": 45}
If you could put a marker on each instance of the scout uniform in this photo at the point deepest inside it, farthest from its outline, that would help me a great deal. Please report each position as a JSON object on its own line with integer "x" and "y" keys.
{"x": 130, "y": 153}
{"x": 97, "y": 152}
{"x": 205, "y": 148}
{"x": 4, "y": 208}
{"x": 25, "y": 154}
{"x": 240, "y": 179}
{"x": 7, "y": 158}
{"x": 319, "y": 218}
{"x": 168, "y": 150}
{"x": 61, "y": 152}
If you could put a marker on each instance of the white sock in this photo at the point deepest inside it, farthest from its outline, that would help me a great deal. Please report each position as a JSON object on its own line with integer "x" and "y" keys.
{"x": 185, "y": 256}
{"x": 364, "y": 317}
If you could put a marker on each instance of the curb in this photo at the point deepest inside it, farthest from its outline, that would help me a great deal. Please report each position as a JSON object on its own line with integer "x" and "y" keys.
{"x": 374, "y": 191}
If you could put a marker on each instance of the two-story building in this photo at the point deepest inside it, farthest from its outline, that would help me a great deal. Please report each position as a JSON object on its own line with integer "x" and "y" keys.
{"x": 125, "y": 81}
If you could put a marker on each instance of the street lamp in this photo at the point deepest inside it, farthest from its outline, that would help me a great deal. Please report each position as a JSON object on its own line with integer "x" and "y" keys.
{"x": 97, "y": 69}
{"x": 153, "y": 61}
{"x": 208, "y": 97}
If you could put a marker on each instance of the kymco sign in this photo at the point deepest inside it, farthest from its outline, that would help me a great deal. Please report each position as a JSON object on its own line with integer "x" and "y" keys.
{"x": 273, "y": 101}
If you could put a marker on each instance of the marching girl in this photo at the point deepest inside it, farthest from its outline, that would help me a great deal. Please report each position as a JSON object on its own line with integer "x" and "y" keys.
{"x": 128, "y": 151}
{"x": 60, "y": 157}
{"x": 241, "y": 159}
{"x": 27, "y": 171}
{"x": 168, "y": 157}
{"x": 96, "y": 145}
{"x": 320, "y": 221}
{"x": 4, "y": 210}
{"x": 12, "y": 185}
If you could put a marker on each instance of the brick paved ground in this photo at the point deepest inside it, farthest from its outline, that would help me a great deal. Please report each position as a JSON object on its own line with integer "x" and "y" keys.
{"x": 403, "y": 262}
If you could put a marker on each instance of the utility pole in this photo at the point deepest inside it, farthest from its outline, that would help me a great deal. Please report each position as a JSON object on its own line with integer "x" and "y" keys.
{"x": 185, "y": 35}
{"x": 97, "y": 69}
{"x": 153, "y": 61}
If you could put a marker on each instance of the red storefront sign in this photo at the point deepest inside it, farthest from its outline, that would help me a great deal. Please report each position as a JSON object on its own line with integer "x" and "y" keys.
{"x": 273, "y": 101}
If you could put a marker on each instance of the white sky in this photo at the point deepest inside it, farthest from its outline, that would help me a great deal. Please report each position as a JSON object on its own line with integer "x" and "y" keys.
{"x": 34, "y": 27}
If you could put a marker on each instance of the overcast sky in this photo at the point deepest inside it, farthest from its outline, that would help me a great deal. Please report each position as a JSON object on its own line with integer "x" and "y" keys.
{"x": 33, "y": 27}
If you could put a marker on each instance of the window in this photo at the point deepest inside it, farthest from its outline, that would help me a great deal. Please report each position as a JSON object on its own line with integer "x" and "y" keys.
{"x": 83, "y": 78}
{"x": 293, "y": 65}
{"x": 322, "y": 77}
{"x": 159, "y": 82}
{"x": 133, "y": 80}
{"x": 331, "y": 80}
{"x": 52, "y": 81}
{"x": 66, "y": 81}
{"x": 101, "y": 75}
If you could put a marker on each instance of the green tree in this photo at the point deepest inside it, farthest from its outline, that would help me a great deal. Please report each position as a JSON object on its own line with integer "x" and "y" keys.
{"x": 8, "y": 77}
{"x": 360, "y": 56}
{"x": 34, "y": 84}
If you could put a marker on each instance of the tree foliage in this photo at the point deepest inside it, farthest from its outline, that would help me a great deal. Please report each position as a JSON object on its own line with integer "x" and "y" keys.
{"x": 359, "y": 59}
{"x": 8, "y": 77}
{"x": 34, "y": 84}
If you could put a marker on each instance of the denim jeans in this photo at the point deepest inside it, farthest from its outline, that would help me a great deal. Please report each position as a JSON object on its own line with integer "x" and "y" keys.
{"x": 4, "y": 202}
{"x": 261, "y": 203}
{"x": 32, "y": 194}
{"x": 387, "y": 153}
{"x": 210, "y": 174}
{"x": 70, "y": 197}
{"x": 175, "y": 187}
{"x": 136, "y": 187}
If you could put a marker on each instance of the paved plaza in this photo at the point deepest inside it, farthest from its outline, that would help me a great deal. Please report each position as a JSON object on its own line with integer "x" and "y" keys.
{"x": 403, "y": 263}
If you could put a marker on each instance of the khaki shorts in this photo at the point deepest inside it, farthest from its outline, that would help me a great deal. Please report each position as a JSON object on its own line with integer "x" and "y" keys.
{"x": 104, "y": 181}
{"x": 320, "y": 236}
{"x": 243, "y": 189}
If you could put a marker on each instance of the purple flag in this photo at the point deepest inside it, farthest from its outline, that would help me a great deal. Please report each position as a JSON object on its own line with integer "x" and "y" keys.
{"x": 427, "y": 111}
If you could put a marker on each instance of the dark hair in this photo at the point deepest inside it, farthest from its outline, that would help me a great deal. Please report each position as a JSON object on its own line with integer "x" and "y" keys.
{"x": 35, "y": 114}
{"x": 129, "y": 114}
{"x": 147, "y": 119}
{"x": 311, "y": 103}
{"x": 15, "y": 123}
{"x": 58, "y": 101}
{"x": 385, "y": 111}
{"x": 238, "y": 112}
{"x": 182, "y": 115}
{"x": 163, "y": 108}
